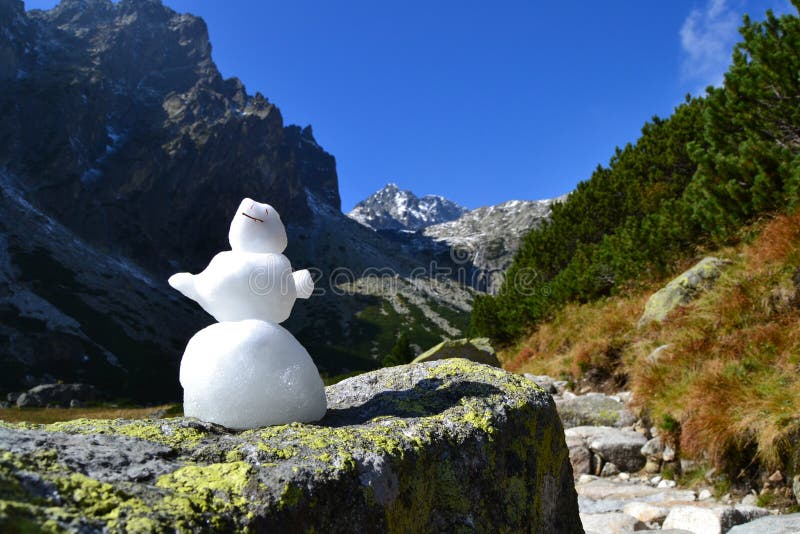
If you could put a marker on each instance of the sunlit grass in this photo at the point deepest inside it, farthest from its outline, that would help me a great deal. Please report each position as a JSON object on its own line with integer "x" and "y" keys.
{"x": 54, "y": 415}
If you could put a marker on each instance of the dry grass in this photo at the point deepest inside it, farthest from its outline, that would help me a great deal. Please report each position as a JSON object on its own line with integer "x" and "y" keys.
{"x": 728, "y": 385}
{"x": 54, "y": 415}
{"x": 579, "y": 338}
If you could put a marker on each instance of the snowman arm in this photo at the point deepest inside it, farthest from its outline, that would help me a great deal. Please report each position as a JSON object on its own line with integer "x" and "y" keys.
{"x": 184, "y": 282}
{"x": 303, "y": 283}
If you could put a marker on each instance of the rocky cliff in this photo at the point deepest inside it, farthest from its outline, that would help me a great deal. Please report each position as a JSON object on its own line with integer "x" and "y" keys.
{"x": 118, "y": 132}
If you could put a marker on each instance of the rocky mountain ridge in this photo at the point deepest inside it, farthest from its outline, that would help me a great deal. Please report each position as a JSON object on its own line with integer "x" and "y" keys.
{"x": 392, "y": 208}
{"x": 482, "y": 241}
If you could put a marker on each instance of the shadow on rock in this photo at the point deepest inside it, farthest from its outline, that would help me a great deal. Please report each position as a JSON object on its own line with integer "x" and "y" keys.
{"x": 428, "y": 397}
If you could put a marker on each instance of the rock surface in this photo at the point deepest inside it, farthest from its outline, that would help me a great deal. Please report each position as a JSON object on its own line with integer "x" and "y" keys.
{"x": 594, "y": 409}
{"x": 61, "y": 395}
{"x": 682, "y": 289}
{"x": 441, "y": 446}
{"x": 620, "y": 447}
{"x": 777, "y": 524}
{"x": 711, "y": 518}
{"x": 610, "y": 523}
{"x": 477, "y": 349}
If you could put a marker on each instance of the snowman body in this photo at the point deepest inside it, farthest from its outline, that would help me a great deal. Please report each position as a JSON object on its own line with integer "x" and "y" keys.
{"x": 245, "y": 285}
{"x": 248, "y": 374}
{"x": 247, "y": 371}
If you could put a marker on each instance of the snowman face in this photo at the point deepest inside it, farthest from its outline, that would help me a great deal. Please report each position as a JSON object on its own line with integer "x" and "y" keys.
{"x": 257, "y": 227}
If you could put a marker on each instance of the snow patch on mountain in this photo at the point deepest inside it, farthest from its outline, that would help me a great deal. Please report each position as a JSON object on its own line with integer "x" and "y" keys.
{"x": 392, "y": 208}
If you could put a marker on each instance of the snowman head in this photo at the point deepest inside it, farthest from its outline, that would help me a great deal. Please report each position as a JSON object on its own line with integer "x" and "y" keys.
{"x": 257, "y": 227}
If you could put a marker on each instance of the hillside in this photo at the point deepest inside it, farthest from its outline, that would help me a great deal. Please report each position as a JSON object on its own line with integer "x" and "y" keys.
{"x": 719, "y": 374}
{"x": 694, "y": 178}
{"x": 718, "y": 177}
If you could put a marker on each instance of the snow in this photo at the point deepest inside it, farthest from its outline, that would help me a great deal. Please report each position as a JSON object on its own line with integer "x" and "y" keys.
{"x": 247, "y": 371}
{"x": 249, "y": 374}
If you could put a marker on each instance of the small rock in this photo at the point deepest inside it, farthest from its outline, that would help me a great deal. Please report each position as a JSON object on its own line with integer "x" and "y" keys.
{"x": 543, "y": 381}
{"x": 776, "y": 524}
{"x": 646, "y": 512}
{"x": 669, "y": 454}
{"x": 611, "y": 523}
{"x": 750, "y": 500}
{"x": 594, "y": 409}
{"x": 585, "y": 479}
{"x": 710, "y": 518}
{"x": 4, "y": 405}
{"x": 620, "y": 447}
{"x": 655, "y": 480}
{"x": 56, "y": 395}
{"x": 704, "y": 494}
{"x": 609, "y": 470}
{"x": 796, "y": 487}
{"x": 776, "y": 477}
{"x": 579, "y": 455}
{"x": 653, "y": 447}
{"x": 568, "y": 395}
{"x": 75, "y": 403}
{"x": 624, "y": 476}
{"x": 652, "y": 466}
{"x": 667, "y": 484}
{"x": 597, "y": 463}
{"x": 625, "y": 397}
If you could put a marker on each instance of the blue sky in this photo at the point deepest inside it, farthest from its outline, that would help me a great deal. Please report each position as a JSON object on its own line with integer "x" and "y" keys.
{"x": 480, "y": 102}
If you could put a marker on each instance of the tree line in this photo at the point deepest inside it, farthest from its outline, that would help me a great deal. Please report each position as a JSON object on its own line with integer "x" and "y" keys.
{"x": 692, "y": 179}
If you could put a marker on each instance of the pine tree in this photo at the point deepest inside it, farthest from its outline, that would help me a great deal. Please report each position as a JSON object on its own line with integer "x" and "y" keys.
{"x": 401, "y": 352}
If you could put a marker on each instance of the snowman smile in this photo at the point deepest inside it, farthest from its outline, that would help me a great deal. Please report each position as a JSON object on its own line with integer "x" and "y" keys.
{"x": 254, "y": 218}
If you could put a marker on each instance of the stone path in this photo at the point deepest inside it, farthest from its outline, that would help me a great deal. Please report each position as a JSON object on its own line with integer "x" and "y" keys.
{"x": 617, "y": 463}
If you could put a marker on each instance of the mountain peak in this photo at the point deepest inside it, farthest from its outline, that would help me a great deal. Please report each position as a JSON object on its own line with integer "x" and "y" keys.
{"x": 392, "y": 208}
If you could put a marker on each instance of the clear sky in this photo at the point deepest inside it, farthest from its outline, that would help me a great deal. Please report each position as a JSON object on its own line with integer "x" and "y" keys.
{"x": 478, "y": 101}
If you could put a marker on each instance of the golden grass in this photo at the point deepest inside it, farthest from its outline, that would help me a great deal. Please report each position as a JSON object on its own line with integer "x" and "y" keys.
{"x": 730, "y": 377}
{"x": 55, "y": 415}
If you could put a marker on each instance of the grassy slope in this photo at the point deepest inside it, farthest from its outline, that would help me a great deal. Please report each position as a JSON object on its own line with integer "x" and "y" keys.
{"x": 728, "y": 385}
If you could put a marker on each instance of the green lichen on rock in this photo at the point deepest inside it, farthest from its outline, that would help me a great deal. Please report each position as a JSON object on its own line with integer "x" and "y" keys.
{"x": 448, "y": 445}
{"x": 682, "y": 289}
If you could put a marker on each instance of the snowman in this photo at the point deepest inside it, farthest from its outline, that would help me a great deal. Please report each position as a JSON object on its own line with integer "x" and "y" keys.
{"x": 247, "y": 371}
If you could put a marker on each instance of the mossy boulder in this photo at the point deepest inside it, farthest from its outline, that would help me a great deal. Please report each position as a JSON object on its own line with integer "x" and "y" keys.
{"x": 682, "y": 289}
{"x": 444, "y": 446}
{"x": 477, "y": 349}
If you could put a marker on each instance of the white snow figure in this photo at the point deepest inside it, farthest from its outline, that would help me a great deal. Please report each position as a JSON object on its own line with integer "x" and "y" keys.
{"x": 247, "y": 374}
{"x": 246, "y": 371}
{"x": 254, "y": 280}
